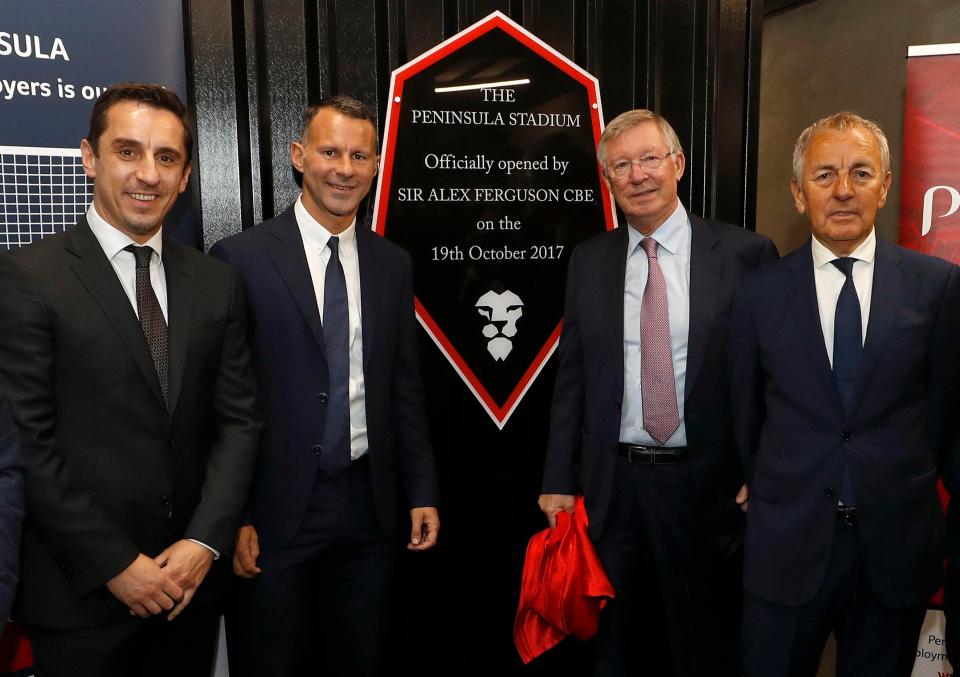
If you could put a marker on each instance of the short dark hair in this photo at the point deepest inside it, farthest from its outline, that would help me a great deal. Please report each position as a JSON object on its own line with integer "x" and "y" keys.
{"x": 144, "y": 93}
{"x": 343, "y": 104}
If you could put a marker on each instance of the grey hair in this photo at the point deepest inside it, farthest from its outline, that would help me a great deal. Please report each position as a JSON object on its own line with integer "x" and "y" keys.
{"x": 635, "y": 118}
{"x": 841, "y": 122}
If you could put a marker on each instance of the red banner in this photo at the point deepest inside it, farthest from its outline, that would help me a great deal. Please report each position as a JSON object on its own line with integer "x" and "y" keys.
{"x": 930, "y": 175}
{"x": 930, "y": 219}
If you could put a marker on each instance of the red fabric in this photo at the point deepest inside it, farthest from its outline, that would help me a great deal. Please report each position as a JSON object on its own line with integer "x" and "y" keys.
{"x": 564, "y": 587}
{"x": 15, "y": 654}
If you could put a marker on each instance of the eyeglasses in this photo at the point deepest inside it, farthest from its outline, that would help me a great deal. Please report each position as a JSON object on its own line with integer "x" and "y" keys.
{"x": 622, "y": 168}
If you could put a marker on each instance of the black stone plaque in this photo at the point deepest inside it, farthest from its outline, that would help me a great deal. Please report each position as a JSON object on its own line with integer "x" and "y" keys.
{"x": 489, "y": 179}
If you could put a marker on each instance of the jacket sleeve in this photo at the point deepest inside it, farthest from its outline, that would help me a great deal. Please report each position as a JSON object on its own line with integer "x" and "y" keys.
{"x": 561, "y": 473}
{"x": 11, "y": 509}
{"x": 233, "y": 453}
{"x": 415, "y": 452}
{"x": 746, "y": 381}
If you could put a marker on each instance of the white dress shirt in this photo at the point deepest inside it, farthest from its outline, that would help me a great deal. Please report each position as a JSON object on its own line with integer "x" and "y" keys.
{"x": 113, "y": 242}
{"x": 829, "y": 281}
{"x": 673, "y": 253}
{"x": 315, "y": 237}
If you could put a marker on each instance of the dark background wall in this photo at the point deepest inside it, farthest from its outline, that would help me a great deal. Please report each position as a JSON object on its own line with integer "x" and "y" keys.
{"x": 255, "y": 64}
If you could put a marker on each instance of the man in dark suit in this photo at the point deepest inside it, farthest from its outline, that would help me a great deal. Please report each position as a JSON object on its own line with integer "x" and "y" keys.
{"x": 345, "y": 435}
{"x": 124, "y": 356}
{"x": 11, "y": 509}
{"x": 640, "y": 419}
{"x": 842, "y": 368}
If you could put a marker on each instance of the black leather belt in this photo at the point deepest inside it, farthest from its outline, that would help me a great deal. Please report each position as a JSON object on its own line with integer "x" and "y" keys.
{"x": 652, "y": 455}
{"x": 847, "y": 516}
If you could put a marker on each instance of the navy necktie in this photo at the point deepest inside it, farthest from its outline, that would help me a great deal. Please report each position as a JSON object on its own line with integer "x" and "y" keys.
{"x": 335, "y": 454}
{"x": 151, "y": 316}
{"x": 847, "y": 347}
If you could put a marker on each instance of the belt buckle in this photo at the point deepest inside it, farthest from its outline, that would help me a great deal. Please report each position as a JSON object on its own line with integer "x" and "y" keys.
{"x": 644, "y": 455}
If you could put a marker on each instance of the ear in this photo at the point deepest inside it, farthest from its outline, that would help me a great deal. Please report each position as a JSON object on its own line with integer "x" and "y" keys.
{"x": 297, "y": 152}
{"x": 376, "y": 164}
{"x": 606, "y": 179}
{"x": 681, "y": 162}
{"x": 887, "y": 180}
{"x": 798, "y": 201}
{"x": 185, "y": 178}
{"x": 89, "y": 159}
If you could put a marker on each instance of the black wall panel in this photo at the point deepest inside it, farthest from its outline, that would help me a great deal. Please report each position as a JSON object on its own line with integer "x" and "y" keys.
{"x": 255, "y": 64}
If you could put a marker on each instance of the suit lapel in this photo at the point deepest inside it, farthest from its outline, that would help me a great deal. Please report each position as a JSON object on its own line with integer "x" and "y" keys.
{"x": 802, "y": 296}
{"x": 884, "y": 307}
{"x": 371, "y": 279}
{"x": 286, "y": 251}
{"x": 181, "y": 288}
{"x": 706, "y": 271}
{"x": 99, "y": 278}
{"x": 612, "y": 281}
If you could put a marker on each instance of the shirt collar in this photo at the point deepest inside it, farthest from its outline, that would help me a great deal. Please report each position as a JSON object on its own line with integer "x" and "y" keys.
{"x": 315, "y": 234}
{"x": 864, "y": 252}
{"x": 112, "y": 240}
{"x": 669, "y": 235}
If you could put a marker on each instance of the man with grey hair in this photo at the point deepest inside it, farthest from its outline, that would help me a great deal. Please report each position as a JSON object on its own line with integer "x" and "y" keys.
{"x": 843, "y": 359}
{"x": 640, "y": 419}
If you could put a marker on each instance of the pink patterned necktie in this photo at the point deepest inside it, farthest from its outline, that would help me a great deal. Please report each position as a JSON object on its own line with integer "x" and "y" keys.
{"x": 657, "y": 384}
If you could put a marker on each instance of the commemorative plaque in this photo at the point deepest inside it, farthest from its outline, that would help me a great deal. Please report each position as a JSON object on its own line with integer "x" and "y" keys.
{"x": 489, "y": 179}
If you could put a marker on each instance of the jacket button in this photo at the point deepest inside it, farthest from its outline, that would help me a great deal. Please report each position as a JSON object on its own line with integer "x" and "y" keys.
{"x": 171, "y": 442}
{"x": 323, "y": 398}
{"x": 165, "y": 500}
{"x": 317, "y": 448}
{"x": 846, "y": 435}
{"x": 829, "y": 492}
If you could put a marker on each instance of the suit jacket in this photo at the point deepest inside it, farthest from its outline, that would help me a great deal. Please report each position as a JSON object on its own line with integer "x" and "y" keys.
{"x": 793, "y": 433}
{"x": 286, "y": 337}
{"x": 109, "y": 472}
{"x": 11, "y": 509}
{"x": 588, "y": 394}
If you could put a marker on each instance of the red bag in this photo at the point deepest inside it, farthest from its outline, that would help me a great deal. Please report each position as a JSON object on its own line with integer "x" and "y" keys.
{"x": 564, "y": 586}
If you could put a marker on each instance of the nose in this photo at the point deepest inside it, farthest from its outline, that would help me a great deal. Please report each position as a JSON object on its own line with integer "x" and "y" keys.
{"x": 637, "y": 173}
{"x": 842, "y": 189}
{"x": 345, "y": 165}
{"x": 147, "y": 173}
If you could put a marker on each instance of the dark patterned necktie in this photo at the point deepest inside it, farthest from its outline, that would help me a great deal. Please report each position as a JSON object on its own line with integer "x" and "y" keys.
{"x": 847, "y": 348}
{"x": 658, "y": 385}
{"x": 335, "y": 454}
{"x": 151, "y": 316}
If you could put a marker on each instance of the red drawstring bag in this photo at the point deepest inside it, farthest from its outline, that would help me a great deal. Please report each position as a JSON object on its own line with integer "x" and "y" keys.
{"x": 564, "y": 586}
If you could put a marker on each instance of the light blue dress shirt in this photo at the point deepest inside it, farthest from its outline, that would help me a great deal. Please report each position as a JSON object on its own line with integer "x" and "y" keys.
{"x": 673, "y": 237}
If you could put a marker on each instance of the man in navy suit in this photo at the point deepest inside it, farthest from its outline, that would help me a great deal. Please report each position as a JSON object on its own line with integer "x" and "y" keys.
{"x": 345, "y": 437}
{"x": 640, "y": 419}
{"x": 842, "y": 368}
